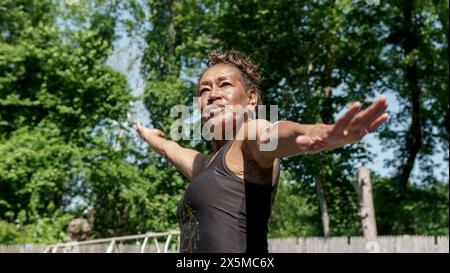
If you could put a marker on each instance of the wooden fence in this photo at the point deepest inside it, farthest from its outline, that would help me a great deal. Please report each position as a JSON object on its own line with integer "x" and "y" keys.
{"x": 383, "y": 244}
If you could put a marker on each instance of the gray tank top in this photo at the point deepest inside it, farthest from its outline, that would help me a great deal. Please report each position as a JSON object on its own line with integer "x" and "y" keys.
{"x": 220, "y": 213}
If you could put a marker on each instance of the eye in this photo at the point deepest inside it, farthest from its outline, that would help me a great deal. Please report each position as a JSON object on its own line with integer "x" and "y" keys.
{"x": 225, "y": 84}
{"x": 203, "y": 90}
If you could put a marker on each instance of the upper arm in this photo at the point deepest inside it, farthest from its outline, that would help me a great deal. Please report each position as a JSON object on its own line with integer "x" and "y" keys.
{"x": 275, "y": 140}
{"x": 188, "y": 161}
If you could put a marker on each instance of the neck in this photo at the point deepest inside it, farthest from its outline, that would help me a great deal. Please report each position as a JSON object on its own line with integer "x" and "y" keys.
{"x": 217, "y": 144}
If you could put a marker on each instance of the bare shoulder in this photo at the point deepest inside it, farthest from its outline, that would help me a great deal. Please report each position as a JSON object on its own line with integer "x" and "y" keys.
{"x": 253, "y": 130}
{"x": 254, "y": 127}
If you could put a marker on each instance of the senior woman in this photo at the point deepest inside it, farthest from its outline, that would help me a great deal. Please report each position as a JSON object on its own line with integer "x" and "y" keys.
{"x": 227, "y": 205}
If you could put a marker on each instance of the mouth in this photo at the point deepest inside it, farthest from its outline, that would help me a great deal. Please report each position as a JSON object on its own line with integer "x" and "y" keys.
{"x": 212, "y": 109}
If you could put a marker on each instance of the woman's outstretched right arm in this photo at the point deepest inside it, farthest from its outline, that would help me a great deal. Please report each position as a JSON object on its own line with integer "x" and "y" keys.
{"x": 188, "y": 161}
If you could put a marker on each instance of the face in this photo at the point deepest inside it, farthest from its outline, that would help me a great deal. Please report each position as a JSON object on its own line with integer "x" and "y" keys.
{"x": 222, "y": 93}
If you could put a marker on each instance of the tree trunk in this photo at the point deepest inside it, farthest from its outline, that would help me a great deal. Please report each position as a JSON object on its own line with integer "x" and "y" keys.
{"x": 323, "y": 206}
{"x": 326, "y": 114}
{"x": 414, "y": 135}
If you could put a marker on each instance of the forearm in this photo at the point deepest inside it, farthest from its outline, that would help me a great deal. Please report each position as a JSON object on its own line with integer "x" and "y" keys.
{"x": 158, "y": 144}
{"x": 188, "y": 161}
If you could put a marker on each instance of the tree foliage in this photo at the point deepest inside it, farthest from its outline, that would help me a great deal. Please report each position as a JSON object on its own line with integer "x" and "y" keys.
{"x": 54, "y": 90}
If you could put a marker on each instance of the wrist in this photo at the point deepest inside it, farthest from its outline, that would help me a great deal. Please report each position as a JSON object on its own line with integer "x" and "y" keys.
{"x": 303, "y": 129}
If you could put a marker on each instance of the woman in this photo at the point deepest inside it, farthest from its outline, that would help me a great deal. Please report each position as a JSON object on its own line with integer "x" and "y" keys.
{"x": 227, "y": 205}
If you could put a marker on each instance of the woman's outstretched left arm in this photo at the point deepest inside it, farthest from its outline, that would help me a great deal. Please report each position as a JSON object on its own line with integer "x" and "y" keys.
{"x": 291, "y": 138}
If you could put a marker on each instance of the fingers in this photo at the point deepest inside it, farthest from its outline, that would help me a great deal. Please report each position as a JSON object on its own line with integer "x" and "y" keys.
{"x": 345, "y": 120}
{"x": 378, "y": 109}
{"x": 368, "y": 116}
{"x": 378, "y": 122}
{"x": 373, "y": 126}
{"x": 317, "y": 145}
{"x": 137, "y": 126}
{"x": 161, "y": 125}
{"x": 362, "y": 133}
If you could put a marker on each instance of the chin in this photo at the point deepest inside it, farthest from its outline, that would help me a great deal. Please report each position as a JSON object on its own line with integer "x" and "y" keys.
{"x": 222, "y": 127}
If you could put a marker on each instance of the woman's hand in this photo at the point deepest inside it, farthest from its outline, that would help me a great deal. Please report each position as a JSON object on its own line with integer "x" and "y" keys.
{"x": 146, "y": 133}
{"x": 348, "y": 129}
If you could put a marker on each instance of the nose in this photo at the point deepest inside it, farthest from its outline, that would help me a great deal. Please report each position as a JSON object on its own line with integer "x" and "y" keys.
{"x": 213, "y": 96}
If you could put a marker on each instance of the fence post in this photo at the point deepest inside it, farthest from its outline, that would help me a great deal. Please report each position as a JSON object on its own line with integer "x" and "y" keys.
{"x": 363, "y": 187}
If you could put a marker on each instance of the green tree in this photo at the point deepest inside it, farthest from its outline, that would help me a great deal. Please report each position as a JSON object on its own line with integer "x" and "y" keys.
{"x": 416, "y": 47}
{"x": 423, "y": 210}
{"x": 55, "y": 89}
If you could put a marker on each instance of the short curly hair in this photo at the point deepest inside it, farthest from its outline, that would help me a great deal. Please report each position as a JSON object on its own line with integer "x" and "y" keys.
{"x": 243, "y": 63}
